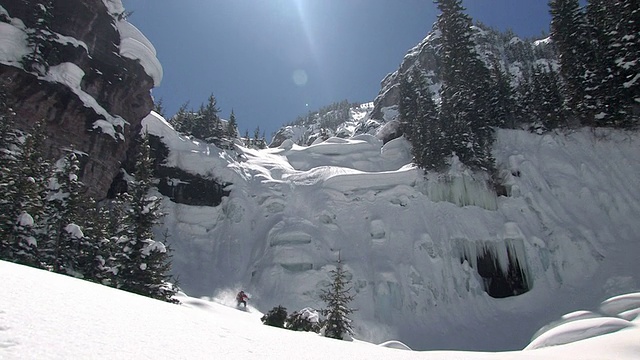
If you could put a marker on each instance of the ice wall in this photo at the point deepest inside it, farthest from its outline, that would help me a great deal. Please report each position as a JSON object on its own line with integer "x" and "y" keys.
{"x": 420, "y": 264}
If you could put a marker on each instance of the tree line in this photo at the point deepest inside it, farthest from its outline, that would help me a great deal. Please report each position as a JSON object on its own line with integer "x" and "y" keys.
{"x": 206, "y": 124}
{"x": 46, "y": 220}
{"x": 596, "y": 84}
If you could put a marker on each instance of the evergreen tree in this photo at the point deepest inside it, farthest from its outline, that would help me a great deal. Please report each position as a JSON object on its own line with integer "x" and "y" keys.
{"x": 158, "y": 107}
{"x": 337, "y": 298}
{"x": 61, "y": 241}
{"x": 29, "y": 190}
{"x": 41, "y": 39}
{"x": 94, "y": 258}
{"x": 628, "y": 58}
{"x": 408, "y": 108}
{"x": 502, "y": 104}
{"x": 182, "y": 121}
{"x": 465, "y": 107}
{"x": 275, "y": 317}
{"x": 420, "y": 123}
{"x": 256, "y": 135}
{"x": 22, "y": 182}
{"x": 7, "y": 161}
{"x": 232, "y": 126}
{"x": 569, "y": 33}
{"x": 523, "y": 99}
{"x": 614, "y": 30}
{"x": 207, "y": 125}
{"x": 547, "y": 107}
{"x": 142, "y": 262}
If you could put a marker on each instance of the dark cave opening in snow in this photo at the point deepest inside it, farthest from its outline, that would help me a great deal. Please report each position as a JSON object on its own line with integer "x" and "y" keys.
{"x": 502, "y": 266}
{"x": 499, "y": 284}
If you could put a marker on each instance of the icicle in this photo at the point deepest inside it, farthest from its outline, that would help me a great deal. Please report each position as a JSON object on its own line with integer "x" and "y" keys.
{"x": 463, "y": 190}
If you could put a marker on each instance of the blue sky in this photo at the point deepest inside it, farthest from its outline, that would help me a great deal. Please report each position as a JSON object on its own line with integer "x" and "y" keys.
{"x": 272, "y": 60}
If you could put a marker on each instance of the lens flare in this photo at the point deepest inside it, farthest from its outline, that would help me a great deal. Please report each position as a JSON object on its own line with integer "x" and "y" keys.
{"x": 300, "y": 77}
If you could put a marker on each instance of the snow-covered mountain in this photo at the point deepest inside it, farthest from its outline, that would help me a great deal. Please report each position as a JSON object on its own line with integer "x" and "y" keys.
{"x": 503, "y": 51}
{"x": 515, "y": 57}
{"x": 340, "y": 120}
{"x": 426, "y": 254}
{"x": 437, "y": 262}
{"x": 51, "y": 316}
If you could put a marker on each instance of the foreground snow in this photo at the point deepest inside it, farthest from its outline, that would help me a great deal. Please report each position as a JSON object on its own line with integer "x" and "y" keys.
{"x": 50, "y": 316}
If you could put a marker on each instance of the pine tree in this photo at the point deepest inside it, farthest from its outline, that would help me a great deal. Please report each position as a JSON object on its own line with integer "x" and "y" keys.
{"x": 158, "y": 107}
{"x": 7, "y": 164}
{"x": 142, "y": 262}
{"x": 337, "y": 298}
{"x": 420, "y": 123}
{"x": 256, "y": 135}
{"x": 182, "y": 121}
{"x": 232, "y": 126}
{"x": 570, "y": 36}
{"x": 207, "y": 125}
{"x": 30, "y": 191}
{"x": 62, "y": 208}
{"x": 94, "y": 258}
{"x": 465, "y": 107}
{"x": 22, "y": 182}
{"x": 408, "y": 108}
{"x": 547, "y": 107}
{"x": 523, "y": 99}
{"x": 41, "y": 39}
{"x": 275, "y": 317}
{"x": 614, "y": 64}
{"x": 628, "y": 58}
{"x": 502, "y": 104}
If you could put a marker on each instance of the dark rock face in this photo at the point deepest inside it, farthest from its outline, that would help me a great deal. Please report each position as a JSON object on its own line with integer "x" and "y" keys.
{"x": 178, "y": 185}
{"x": 188, "y": 189}
{"x": 182, "y": 187}
{"x": 119, "y": 85}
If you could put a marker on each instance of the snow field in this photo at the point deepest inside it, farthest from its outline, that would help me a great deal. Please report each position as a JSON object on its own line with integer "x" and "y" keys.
{"x": 52, "y": 316}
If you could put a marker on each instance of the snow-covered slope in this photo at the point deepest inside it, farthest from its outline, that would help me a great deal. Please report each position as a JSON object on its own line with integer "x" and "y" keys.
{"x": 50, "y": 316}
{"x": 423, "y": 253}
{"x": 340, "y": 120}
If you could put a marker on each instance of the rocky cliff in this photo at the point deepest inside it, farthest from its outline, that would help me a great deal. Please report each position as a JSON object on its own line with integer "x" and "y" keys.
{"x": 90, "y": 85}
{"x": 511, "y": 54}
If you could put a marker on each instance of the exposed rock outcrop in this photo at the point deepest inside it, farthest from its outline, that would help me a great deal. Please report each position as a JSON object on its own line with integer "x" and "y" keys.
{"x": 87, "y": 39}
{"x": 513, "y": 54}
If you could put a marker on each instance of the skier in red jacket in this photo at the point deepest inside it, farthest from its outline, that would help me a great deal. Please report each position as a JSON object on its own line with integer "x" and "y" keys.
{"x": 242, "y": 298}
